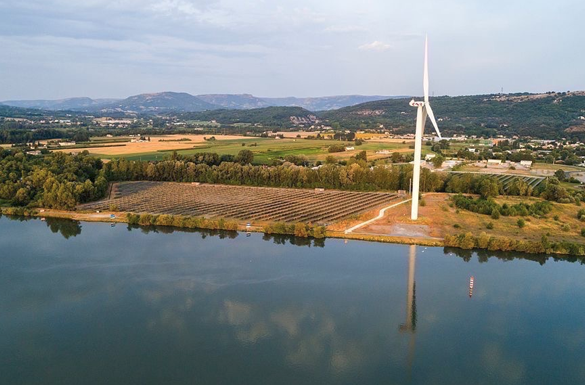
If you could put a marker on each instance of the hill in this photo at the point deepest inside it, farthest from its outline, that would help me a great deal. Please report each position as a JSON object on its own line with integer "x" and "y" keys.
{"x": 19, "y": 112}
{"x": 550, "y": 115}
{"x": 231, "y": 101}
{"x": 81, "y": 103}
{"x": 326, "y": 102}
{"x": 159, "y": 103}
{"x": 168, "y": 101}
{"x": 267, "y": 116}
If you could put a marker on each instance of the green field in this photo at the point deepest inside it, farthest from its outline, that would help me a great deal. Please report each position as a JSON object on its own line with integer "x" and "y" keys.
{"x": 268, "y": 149}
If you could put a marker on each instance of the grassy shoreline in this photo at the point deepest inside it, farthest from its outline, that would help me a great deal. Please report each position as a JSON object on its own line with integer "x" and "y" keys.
{"x": 463, "y": 241}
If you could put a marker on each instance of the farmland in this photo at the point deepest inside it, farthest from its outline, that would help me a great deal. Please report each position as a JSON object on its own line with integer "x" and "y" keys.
{"x": 265, "y": 149}
{"x": 257, "y": 204}
{"x": 123, "y": 147}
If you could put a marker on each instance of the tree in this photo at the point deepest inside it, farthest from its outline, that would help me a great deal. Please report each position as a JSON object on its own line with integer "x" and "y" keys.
{"x": 330, "y": 159}
{"x": 438, "y": 161}
{"x": 244, "y": 157}
{"x": 489, "y": 188}
{"x": 495, "y": 214}
{"x": 301, "y": 230}
{"x": 362, "y": 156}
{"x": 560, "y": 175}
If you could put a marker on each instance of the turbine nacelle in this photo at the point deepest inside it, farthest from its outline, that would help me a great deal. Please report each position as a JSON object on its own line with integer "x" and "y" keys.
{"x": 416, "y": 104}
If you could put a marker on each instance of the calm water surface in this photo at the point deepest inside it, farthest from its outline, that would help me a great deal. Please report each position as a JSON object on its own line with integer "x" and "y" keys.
{"x": 94, "y": 304}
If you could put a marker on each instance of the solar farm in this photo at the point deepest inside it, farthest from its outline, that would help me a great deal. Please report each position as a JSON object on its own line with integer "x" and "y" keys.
{"x": 507, "y": 179}
{"x": 255, "y": 204}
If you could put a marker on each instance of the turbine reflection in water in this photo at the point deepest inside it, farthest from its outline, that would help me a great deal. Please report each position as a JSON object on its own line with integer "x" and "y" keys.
{"x": 410, "y": 325}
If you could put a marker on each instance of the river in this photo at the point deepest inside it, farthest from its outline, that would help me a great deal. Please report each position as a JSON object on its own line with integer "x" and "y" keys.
{"x": 92, "y": 303}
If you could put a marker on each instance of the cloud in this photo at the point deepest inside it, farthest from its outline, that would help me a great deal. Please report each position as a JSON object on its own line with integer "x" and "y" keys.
{"x": 375, "y": 46}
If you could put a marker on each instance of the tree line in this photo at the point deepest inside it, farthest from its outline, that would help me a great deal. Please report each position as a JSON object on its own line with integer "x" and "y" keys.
{"x": 62, "y": 181}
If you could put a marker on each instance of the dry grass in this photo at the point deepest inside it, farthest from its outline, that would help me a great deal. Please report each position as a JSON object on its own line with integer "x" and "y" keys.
{"x": 440, "y": 219}
{"x": 157, "y": 143}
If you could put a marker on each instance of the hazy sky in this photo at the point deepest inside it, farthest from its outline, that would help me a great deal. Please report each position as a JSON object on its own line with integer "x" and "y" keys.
{"x": 101, "y": 48}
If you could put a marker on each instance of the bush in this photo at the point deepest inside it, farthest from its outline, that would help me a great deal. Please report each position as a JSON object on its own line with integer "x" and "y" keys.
{"x": 133, "y": 219}
{"x": 423, "y": 202}
{"x": 319, "y": 232}
{"x": 336, "y": 148}
{"x": 521, "y": 223}
{"x": 457, "y": 226}
{"x": 490, "y": 226}
{"x": 301, "y": 230}
{"x": 583, "y": 232}
{"x": 165, "y": 220}
{"x": 566, "y": 227}
{"x": 146, "y": 220}
{"x": 495, "y": 214}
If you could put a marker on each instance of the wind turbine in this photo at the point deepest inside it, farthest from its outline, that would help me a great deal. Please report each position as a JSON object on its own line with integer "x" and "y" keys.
{"x": 423, "y": 110}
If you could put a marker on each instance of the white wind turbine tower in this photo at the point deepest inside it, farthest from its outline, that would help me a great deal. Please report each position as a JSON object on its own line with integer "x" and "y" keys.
{"x": 423, "y": 110}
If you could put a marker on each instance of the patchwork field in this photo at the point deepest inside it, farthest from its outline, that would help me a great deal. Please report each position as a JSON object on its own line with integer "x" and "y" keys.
{"x": 265, "y": 149}
{"x": 256, "y": 204}
{"x": 122, "y": 147}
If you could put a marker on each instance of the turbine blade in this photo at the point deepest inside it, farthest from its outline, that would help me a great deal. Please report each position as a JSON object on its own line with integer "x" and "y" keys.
{"x": 432, "y": 117}
{"x": 426, "y": 71}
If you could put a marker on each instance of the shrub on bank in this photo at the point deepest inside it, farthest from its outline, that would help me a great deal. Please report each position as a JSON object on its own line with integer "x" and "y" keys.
{"x": 298, "y": 230}
{"x": 468, "y": 241}
{"x": 18, "y": 211}
{"x": 181, "y": 221}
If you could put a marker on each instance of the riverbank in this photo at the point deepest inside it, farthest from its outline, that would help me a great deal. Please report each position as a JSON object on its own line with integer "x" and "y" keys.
{"x": 465, "y": 240}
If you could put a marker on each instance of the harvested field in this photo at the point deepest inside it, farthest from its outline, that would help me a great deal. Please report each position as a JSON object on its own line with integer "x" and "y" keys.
{"x": 258, "y": 204}
{"x": 157, "y": 143}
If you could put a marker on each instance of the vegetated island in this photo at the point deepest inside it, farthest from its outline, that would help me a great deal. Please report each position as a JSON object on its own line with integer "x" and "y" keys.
{"x": 464, "y": 210}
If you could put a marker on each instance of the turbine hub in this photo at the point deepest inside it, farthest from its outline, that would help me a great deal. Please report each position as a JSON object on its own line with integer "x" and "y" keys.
{"x": 416, "y": 104}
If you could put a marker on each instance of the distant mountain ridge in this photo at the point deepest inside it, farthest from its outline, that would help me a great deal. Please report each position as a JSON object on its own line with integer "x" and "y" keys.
{"x": 163, "y": 102}
{"x": 326, "y": 103}
{"x": 235, "y": 101}
{"x": 159, "y": 103}
{"x": 59, "y": 104}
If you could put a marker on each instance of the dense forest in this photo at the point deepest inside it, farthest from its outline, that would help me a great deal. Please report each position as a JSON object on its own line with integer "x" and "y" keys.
{"x": 59, "y": 180}
{"x": 54, "y": 181}
{"x": 548, "y": 116}
{"x": 267, "y": 116}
